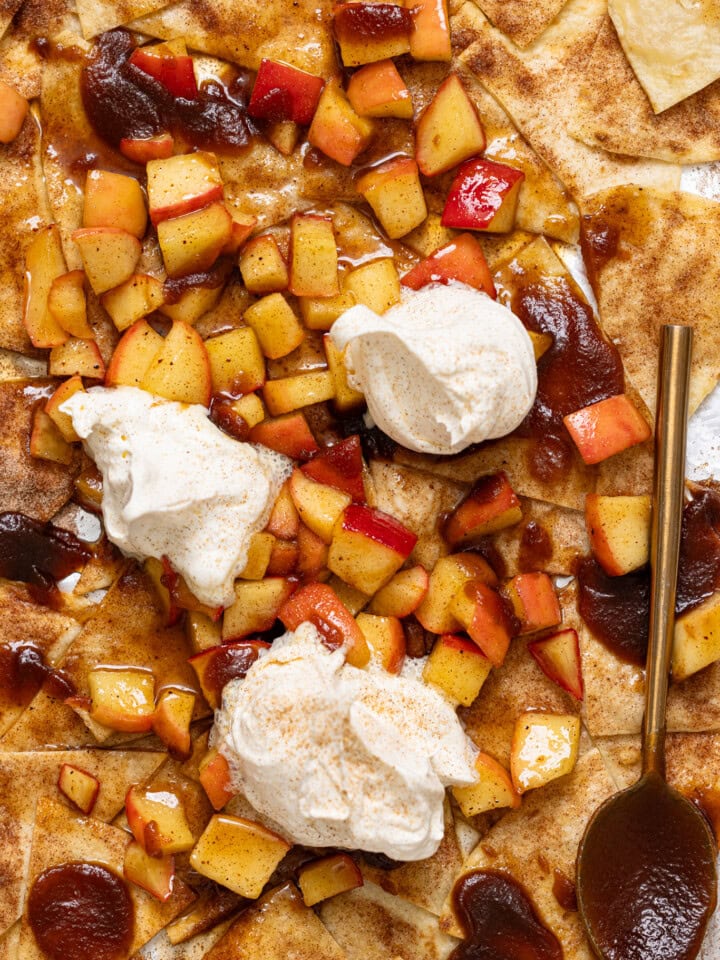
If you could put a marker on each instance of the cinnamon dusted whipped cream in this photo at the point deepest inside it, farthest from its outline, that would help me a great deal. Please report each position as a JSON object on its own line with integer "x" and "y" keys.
{"x": 335, "y": 756}
{"x": 446, "y": 368}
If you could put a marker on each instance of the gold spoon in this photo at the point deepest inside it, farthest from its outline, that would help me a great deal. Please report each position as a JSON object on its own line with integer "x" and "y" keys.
{"x": 646, "y": 876}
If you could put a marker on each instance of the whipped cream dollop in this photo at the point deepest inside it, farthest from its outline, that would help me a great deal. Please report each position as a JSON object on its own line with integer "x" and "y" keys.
{"x": 331, "y": 755}
{"x": 174, "y": 485}
{"x": 445, "y": 368}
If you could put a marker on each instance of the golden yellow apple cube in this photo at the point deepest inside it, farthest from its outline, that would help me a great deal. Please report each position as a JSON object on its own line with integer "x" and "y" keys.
{"x": 239, "y": 854}
{"x": 276, "y": 326}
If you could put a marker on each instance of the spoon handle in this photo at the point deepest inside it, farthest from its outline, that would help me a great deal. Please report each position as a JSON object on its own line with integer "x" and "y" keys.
{"x": 670, "y": 438}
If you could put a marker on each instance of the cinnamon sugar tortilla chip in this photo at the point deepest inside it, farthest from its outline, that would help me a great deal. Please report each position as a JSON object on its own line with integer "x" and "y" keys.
{"x": 692, "y": 761}
{"x": 160, "y": 947}
{"x": 245, "y": 31}
{"x": 38, "y": 774}
{"x": 61, "y": 837}
{"x": 654, "y": 258}
{"x": 8, "y": 9}
{"x": 97, "y": 16}
{"x": 535, "y": 86}
{"x": 612, "y": 111}
{"x": 522, "y": 20}
{"x": 674, "y": 47}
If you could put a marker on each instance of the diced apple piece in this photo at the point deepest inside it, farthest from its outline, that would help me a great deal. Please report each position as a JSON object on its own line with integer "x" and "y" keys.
{"x": 346, "y": 397}
{"x": 458, "y": 667}
{"x": 67, "y": 304}
{"x": 133, "y": 355}
{"x": 284, "y": 136}
{"x": 403, "y": 594}
{"x": 250, "y": 408}
{"x": 153, "y": 874}
{"x": 290, "y": 435}
{"x": 217, "y": 666}
{"x": 395, "y": 194}
{"x": 157, "y": 820}
{"x": 114, "y": 200}
{"x": 482, "y": 612}
{"x": 215, "y": 778}
{"x": 697, "y": 639}
{"x": 256, "y": 606}
{"x": 133, "y": 300}
{"x": 449, "y": 129}
{"x": 47, "y": 442}
{"x": 157, "y": 572}
{"x": 193, "y": 303}
{"x": 340, "y": 466}
{"x": 312, "y": 555}
{"x": 367, "y": 32}
{"x": 171, "y": 721}
{"x": 378, "y": 90}
{"x": 541, "y": 343}
{"x": 353, "y": 599}
{"x": 175, "y": 73}
{"x": 558, "y": 656}
{"x": 202, "y": 631}
{"x": 144, "y": 149}
{"x": 430, "y": 236}
{"x": 328, "y": 877}
{"x": 13, "y": 110}
{"x": 258, "y": 557}
{"x": 386, "y": 638}
{"x": 236, "y": 362}
{"x": 313, "y": 257}
{"x": 317, "y": 603}
{"x": 283, "y": 558}
{"x": 319, "y": 505}
{"x": 490, "y": 506}
{"x": 276, "y": 326}
{"x": 608, "y": 427}
{"x": 122, "y": 699}
{"x": 375, "y": 285}
{"x": 242, "y": 225}
{"x": 44, "y": 263}
{"x": 109, "y": 255}
{"x": 192, "y": 242}
{"x": 282, "y": 92}
{"x": 534, "y": 601}
{"x": 291, "y": 393}
{"x": 493, "y": 790}
{"x": 89, "y": 488}
{"x": 79, "y": 786}
{"x": 483, "y": 196}
{"x": 462, "y": 259}
{"x": 181, "y": 184}
{"x": 544, "y": 747}
{"x": 337, "y": 129}
{"x": 239, "y": 854}
{"x": 63, "y": 421}
{"x": 320, "y": 313}
{"x": 181, "y": 368}
{"x": 76, "y": 357}
{"x": 430, "y": 37}
{"x": 619, "y": 531}
{"x": 262, "y": 266}
{"x": 368, "y": 547}
{"x": 447, "y": 577}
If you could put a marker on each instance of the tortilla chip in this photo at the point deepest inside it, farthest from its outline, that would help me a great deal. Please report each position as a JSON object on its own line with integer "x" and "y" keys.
{"x": 245, "y": 31}
{"x": 9, "y": 943}
{"x": 674, "y": 48}
{"x": 370, "y": 924}
{"x": 522, "y": 20}
{"x": 160, "y": 947}
{"x": 60, "y": 837}
{"x": 21, "y": 62}
{"x": 542, "y": 836}
{"x": 38, "y": 775}
{"x": 536, "y": 87}
{"x": 17, "y": 366}
{"x": 566, "y": 539}
{"x": 654, "y": 258}
{"x": 613, "y": 112}
{"x": 8, "y": 9}
{"x": 97, "y": 16}
{"x": 277, "y": 927}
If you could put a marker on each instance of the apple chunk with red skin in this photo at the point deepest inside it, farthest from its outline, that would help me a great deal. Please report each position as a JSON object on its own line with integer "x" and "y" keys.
{"x": 386, "y": 639}
{"x": 490, "y": 506}
{"x": 175, "y": 73}
{"x": 318, "y": 604}
{"x": 367, "y": 32}
{"x": 483, "y": 196}
{"x": 368, "y": 547}
{"x": 447, "y": 577}
{"x": 13, "y": 110}
{"x": 114, "y": 200}
{"x": 318, "y": 504}
{"x": 289, "y": 434}
{"x": 462, "y": 259}
{"x": 544, "y": 747}
{"x": 608, "y": 427}
{"x": 493, "y": 790}
{"x": 394, "y": 192}
{"x": 122, "y": 699}
{"x": 449, "y": 130}
{"x": 619, "y": 531}
{"x": 337, "y": 129}
{"x": 485, "y": 615}
{"x": 558, "y": 656}
{"x": 430, "y": 38}
{"x": 340, "y": 466}
{"x": 154, "y": 874}
{"x": 256, "y": 606}
{"x": 63, "y": 421}
{"x": 171, "y": 721}
{"x": 215, "y": 778}
{"x": 328, "y": 877}
{"x": 534, "y": 601}
{"x": 133, "y": 355}
{"x": 402, "y": 595}
{"x": 181, "y": 184}
{"x": 378, "y": 90}
{"x": 157, "y": 820}
{"x": 79, "y": 786}
{"x": 239, "y": 854}
{"x": 282, "y": 92}
{"x": 458, "y": 666}
{"x": 217, "y": 666}
{"x": 44, "y": 263}
{"x": 180, "y": 370}
{"x": 144, "y": 149}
